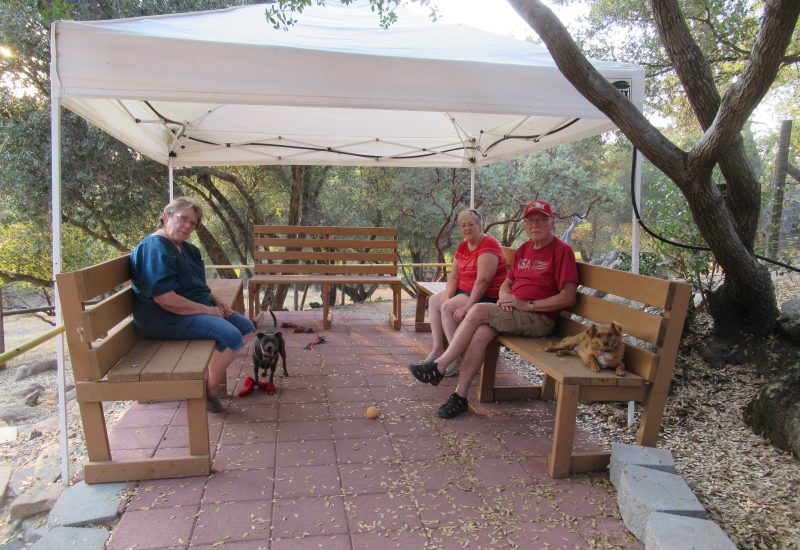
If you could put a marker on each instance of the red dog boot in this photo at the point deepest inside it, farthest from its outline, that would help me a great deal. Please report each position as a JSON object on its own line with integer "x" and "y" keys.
{"x": 249, "y": 385}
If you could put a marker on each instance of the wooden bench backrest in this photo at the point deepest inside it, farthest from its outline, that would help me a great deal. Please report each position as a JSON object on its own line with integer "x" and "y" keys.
{"x": 98, "y": 335}
{"x": 290, "y": 249}
{"x": 599, "y": 301}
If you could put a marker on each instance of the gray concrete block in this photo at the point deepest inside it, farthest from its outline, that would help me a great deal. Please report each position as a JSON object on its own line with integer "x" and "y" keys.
{"x": 649, "y": 457}
{"x": 643, "y": 491}
{"x": 82, "y": 538}
{"x": 84, "y": 504}
{"x": 671, "y": 532}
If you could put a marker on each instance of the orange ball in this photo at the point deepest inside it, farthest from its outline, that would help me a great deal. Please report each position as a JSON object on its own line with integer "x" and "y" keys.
{"x": 372, "y": 413}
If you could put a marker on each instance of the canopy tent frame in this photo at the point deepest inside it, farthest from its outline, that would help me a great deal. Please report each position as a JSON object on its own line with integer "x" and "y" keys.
{"x": 202, "y": 90}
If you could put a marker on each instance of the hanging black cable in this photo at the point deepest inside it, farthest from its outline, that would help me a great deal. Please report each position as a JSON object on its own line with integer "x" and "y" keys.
{"x": 675, "y": 243}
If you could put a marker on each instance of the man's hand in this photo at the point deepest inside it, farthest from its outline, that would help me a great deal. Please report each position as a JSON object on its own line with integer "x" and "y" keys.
{"x": 224, "y": 308}
{"x": 508, "y": 301}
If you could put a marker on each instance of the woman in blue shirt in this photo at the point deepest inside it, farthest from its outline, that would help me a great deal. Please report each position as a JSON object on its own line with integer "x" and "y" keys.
{"x": 173, "y": 300}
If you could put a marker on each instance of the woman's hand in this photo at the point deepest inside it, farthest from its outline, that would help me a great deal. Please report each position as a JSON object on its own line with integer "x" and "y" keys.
{"x": 460, "y": 313}
{"x": 222, "y": 306}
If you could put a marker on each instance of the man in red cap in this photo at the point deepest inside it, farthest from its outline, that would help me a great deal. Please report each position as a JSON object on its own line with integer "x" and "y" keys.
{"x": 542, "y": 281}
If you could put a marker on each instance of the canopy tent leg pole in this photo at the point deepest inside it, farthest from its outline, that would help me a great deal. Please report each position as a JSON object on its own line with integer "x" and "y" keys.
{"x": 636, "y": 244}
{"x": 171, "y": 179}
{"x": 55, "y": 190}
{"x": 472, "y": 186}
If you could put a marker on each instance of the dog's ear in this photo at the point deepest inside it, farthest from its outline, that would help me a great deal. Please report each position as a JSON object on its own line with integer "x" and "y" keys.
{"x": 259, "y": 335}
{"x": 278, "y": 334}
{"x": 616, "y": 327}
{"x": 592, "y": 330}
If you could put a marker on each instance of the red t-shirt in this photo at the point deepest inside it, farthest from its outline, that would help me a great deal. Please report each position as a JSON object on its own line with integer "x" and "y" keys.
{"x": 539, "y": 274}
{"x": 468, "y": 265}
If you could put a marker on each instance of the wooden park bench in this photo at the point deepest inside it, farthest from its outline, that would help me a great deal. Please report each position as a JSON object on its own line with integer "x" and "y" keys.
{"x": 605, "y": 295}
{"x": 110, "y": 362}
{"x": 327, "y": 256}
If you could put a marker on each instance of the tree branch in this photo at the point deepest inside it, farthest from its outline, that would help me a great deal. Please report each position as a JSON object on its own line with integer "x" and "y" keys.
{"x": 744, "y": 95}
{"x": 601, "y": 93}
{"x": 8, "y": 278}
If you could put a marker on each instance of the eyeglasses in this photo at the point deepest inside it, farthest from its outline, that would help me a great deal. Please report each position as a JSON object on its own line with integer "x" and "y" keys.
{"x": 183, "y": 220}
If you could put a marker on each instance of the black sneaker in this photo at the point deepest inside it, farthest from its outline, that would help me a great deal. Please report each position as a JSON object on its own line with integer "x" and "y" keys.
{"x": 454, "y": 406}
{"x": 213, "y": 404}
{"x": 427, "y": 373}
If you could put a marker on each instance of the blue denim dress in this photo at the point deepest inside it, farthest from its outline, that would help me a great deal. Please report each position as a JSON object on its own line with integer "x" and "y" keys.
{"x": 158, "y": 267}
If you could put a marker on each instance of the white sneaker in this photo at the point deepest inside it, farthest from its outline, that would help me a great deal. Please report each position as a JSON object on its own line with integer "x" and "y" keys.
{"x": 453, "y": 368}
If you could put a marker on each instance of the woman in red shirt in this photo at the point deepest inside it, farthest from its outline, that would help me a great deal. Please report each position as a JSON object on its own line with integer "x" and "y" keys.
{"x": 479, "y": 268}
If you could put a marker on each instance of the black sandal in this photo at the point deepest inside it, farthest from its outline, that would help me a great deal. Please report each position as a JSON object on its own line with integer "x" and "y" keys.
{"x": 454, "y": 406}
{"x": 427, "y": 373}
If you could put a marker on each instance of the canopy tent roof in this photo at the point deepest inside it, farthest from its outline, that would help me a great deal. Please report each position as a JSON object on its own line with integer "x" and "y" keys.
{"x": 224, "y": 87}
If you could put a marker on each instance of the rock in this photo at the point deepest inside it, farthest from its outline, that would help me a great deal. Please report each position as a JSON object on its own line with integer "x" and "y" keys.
{"x": 70, "y": 394}
{"x": 789, "y": 321}
{"x": 16, "y": 414}
{"x": 73, "y": 537}
{"x": 34, "y": 434}
{"x": 623, "y": 455}
{"x": 775, "y": 410}
{"x": 16, "y": 544}
{"x": 46, "y": 425}
{"x": 35, "y": 368}
{"x": 38, "y": 499}
{"x": 21, "y": 393}
{"x": 48, "y": 464}
{"x": 32, "y": 399}
{"x": 21, "y": 481}
{"x": 718, "y": 353}
{"x": 84, "y": 504}
{"x": 5, "y": 477}
{"x": 668, "y": 531}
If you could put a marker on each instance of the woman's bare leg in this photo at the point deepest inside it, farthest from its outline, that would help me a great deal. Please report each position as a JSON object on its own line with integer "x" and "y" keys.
{"x": 435, "y": 312}
{"x": 476, "y": 316}
{"x": 215, "y": 373}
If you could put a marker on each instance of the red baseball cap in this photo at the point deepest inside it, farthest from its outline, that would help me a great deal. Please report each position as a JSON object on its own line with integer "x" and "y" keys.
{"x": 538, "y": 207}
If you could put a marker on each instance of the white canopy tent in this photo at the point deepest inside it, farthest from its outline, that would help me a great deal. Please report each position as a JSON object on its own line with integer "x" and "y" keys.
{"x": 225, "y": 88}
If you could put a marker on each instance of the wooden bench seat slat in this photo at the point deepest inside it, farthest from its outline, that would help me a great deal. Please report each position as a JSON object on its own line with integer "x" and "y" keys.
{"x": 338, "y": 244}
{"x": 326, "y": 279}
{"x": 353, "y": 256}
{"x": 130, "y": 366}
{"x": 324, "y": 230}
{"x": 565, "y": 369}
{"x": 648, "y": 290}
{"x": 194, "y": 360}
{"x": 327, "y": 269}
{"x": 643, "y": 325}
{"x": 162, "y": 365}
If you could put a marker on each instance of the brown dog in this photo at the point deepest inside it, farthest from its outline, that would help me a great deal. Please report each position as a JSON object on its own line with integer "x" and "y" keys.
{"x": 599, "y": 346}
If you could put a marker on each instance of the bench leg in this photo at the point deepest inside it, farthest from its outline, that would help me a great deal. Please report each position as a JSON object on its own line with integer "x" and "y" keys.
{"x": 197, "y": 420}
{"x": 564, "y": 432}
{"x": 650, "y": 422}
{"x": 252, "y": 298}
{"x": 486, "y": 384}
{"x": 326, "y": 306}
{"x": 94, "y": 431}
{"x": 419, "y": 318}
{"x": 548, "y": 388}
{"x": 396, "y": 318}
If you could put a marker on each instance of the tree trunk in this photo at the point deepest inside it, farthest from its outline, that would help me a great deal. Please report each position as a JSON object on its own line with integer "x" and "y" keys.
{"x": 215, "y": 252}
{"x": 295, "y": 206}
{"x": 778, "y": 183}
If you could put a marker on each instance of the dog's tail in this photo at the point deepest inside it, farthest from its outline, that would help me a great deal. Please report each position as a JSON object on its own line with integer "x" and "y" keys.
{"x": 274, "y": 319}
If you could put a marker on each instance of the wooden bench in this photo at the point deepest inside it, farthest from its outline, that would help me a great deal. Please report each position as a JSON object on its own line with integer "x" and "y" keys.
{"x": 110, "y": 362}
{"x": 649, "y": 362}
{"x": 301, "y": 255}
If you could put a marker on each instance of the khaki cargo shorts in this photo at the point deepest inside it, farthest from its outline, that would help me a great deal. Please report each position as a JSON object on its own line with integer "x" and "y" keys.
{"x": 520, "y": 323}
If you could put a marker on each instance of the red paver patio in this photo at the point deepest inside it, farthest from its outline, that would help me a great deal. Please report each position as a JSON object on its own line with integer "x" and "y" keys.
{"x": 304, "y": 469}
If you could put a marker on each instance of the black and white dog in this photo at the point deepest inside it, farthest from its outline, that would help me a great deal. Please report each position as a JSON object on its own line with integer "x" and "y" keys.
{"x": 268, "y": 346}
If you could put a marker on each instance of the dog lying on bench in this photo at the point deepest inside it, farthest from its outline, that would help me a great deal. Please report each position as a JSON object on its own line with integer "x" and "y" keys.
{"x": 599, "y": 346}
